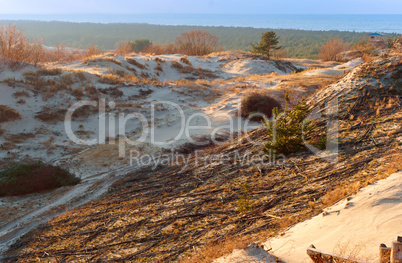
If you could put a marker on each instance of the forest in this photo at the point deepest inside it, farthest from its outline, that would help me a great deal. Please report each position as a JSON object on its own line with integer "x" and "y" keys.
{"x": 297, "y": 43}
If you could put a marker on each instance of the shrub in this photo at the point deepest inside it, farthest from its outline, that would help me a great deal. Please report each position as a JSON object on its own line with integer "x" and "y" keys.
{"x": 93, "y": 51}
{"x": 21, "y": 178}
{"x": 15, "y": 47}
{"x": 288, "y": 130}
{"x": 8, "y": 114}
{"x": 257, "y": 103}
{"x": 331, "y": 49}
{"x": 197, "y": 43}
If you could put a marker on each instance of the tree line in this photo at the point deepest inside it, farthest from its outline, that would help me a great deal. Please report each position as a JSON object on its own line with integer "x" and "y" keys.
{"x": 297, "y": 43}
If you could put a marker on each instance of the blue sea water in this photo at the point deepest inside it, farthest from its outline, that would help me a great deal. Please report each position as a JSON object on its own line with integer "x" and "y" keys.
{"x": 358, "y": 23}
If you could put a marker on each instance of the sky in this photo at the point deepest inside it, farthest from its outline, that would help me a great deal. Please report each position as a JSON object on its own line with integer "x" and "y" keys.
{"x": 201, "y": 6}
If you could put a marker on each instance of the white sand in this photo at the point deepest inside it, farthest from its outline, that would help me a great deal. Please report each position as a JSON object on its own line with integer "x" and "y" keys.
{"x": 251, "y": 254}
{"x": 337, "y": 70}
{"x": 94, "y": 164}
{"x": 373, "y": 216}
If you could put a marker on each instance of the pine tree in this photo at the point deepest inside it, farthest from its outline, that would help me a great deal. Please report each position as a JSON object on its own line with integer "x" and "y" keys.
{"x": 269, "y": 42}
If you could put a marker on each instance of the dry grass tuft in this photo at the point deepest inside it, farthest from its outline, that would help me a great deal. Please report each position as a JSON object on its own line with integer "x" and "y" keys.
{"x": 135, "y": 63}
{"x": 8, "y": 114}
{"x": 51, "y": 115}
{"x": 185, "y": 60}
{"x": 78, "y": 92}
{"x": 22, "y": 93}
{"x": 111, "y": 79}
{"x": 177, "y": 65}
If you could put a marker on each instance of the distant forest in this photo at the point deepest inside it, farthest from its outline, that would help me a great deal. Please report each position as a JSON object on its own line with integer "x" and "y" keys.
{"x": 298, "y": 43}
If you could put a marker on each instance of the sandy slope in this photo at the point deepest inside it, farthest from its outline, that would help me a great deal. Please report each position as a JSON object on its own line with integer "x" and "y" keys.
{"x": 353, "y": 228}
{"x": 96, "y": 164}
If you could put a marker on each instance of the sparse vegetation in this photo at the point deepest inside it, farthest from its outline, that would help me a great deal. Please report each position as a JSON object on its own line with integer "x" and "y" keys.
{"x": 22, "y": 178}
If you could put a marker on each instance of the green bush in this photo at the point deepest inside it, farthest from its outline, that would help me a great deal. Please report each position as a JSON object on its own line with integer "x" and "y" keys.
{"x": 288, "y": 130}
{"x": 22, "y": 178}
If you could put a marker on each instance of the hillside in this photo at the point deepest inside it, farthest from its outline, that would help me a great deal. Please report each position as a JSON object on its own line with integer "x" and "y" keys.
{"x": 199, "y": 206}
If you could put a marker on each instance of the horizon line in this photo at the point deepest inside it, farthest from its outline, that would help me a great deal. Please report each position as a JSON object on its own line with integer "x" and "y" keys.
{"x": 166, "y": 13}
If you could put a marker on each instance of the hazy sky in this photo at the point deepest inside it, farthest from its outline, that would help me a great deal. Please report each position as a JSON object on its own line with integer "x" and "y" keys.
{"x": 202, "y": 6}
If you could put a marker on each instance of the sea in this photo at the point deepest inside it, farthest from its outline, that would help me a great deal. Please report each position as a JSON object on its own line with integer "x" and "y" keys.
{"x": 356, "y": 23}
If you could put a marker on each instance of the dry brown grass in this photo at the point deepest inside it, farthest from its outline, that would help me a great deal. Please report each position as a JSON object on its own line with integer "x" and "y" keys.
{"x": 218, "y": 249}
{"x": 135, "y": 63}
{"x": 177, "y": 65}
{"x": 8, "y": 114}
{"x": 367, "y": 58}
{"x": 15, "y": 48}
{"x": 159, "y": 67}
{"x": 331, "y": 50}
{"x": 78, "y": 92}
{"x": 197, "y": 43}
{"x": 185, "y": 60}
{"x": 110, "y": 79}
{"x": 393, "y": 166}
{"x": 51, "y": 115}
{"x": 21, "y": 101}
{"x": 161, "y": 49}
{"x": 22, "y": 93}
{"x": 20, "y": 137}
{"x": 349, "y": 188}
{"x": 350, "y": 250}
{"x": 91, "y": 91}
